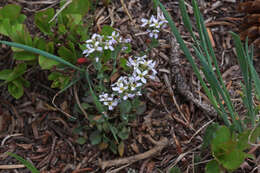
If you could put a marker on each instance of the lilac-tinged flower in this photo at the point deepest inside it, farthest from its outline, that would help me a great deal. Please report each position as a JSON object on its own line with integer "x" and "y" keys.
{"x": 111, "y": 104}
{"x": 141, "y": 75}
{"x": 120, "y": 88}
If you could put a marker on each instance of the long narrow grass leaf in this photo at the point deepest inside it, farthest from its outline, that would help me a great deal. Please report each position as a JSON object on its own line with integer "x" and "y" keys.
{"x": 200, "y": 30}
{"x": 244, "y": 60}
{"x": 41, "y": 52}
{"x": 186, "y": 19}
{"x": 25, "y": 162}
{"x": 184, "y": 49}
{"x": 210, "y": 76}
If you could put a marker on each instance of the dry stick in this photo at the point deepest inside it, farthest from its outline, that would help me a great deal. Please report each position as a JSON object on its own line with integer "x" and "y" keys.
{"x": 78, "y": 102}
{"x": 167, "y": 82}
{"x": 11, "y": 166}
{"x": 197, "y": 132}
{"x": 60, "y": 10}
{"x": 182, "y": 156}
{"x": 57, "y": 108}
{"x": 126, "y": 10}
{"x": 129, "y": 160}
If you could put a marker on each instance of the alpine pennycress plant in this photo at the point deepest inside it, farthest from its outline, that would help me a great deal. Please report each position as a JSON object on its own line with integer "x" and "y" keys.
{"x": 228, "y": 143}
{"x": 113, "y": 82}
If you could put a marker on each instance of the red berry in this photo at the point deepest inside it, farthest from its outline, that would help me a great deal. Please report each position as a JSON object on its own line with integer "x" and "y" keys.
{"x": 81, "y": 60}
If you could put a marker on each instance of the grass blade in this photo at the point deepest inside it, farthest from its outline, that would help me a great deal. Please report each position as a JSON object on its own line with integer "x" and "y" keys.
{"x": 41, "y": 52}
{"x": 25, "y": 162}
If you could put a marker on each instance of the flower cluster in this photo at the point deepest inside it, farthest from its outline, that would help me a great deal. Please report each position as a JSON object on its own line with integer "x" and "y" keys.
{"x": 127, "y": 87}
{"x": 99, "y": 43}
{"x": 154, "y": 25}
{"x": 108, "y": 100}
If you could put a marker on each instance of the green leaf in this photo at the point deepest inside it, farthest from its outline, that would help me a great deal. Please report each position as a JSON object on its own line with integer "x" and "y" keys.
{"x": 25, "y": 162}
{"x": 209, "y": 134}
{"x": 212, "y": 167}
{"x": 141, "y": 108}
{"x": 124, "y": 133}
{"x": 45, "y": 62}
{"x": 15, "y": 88}
{"x": 62, "y": 29}
{"x": 24, "y": 56}
{"x": 175, "y": 169}
{"x": 113, "y": 147}
{"x": 17, "y": 72}
{"x": 221, "y": 137}
{"x": 4, "y": 74}
{"x": 233, "y": 159}
{"x": 66, "y": 53}
{"x": 81, "y": 140}
{"x": 107, "y": 30}
{"x": 10, "y": 11}
{"x": 242, "y": 143}
{"x": 125, "y": 107}
{"x": 76, "y": 7}
{"x": 42, "y": 19}
{"x": 95, "y": 137}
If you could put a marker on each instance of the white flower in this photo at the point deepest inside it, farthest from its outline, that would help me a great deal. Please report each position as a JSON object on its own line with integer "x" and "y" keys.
{"x": 152, "y": 19}
{"x": 128, "y": 40}
{"x": 155, "y": 23}
{"x": 111, "y": 104}
{"x": 128, "y": 95}
{"x": 133, "y": 83}
{"x": 114, "y": 38}
{"x": 132, "y": 62}
{"x": 108, "y": 45}
{"x": 120, "y": 88}
{"x": 144, "y": 22}
{"x": 97, "y": 59}
{"x": 153, "y": 33}
{"x": 141, "y": 75}
{"x": 105, "y": 97}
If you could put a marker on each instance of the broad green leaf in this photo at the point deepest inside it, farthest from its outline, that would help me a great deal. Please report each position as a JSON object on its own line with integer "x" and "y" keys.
{"x": 45, "y": 62}
{"x": 125, "y": 107}
{"x": 175, "y": 169}
{"x": 212, "y": 167}
{"x": 209, "y": 134}
{"x": 76, "y": 7}
{"x": 24, "y": 56}
{"x": 10, "y": 11}
{"x": 66, "y": 54}
{"x": 42, "y": 19}
{"x": 222, "y": 142}
{"x": 4, "y": 74}
{"x": 62, "y": 29}
{"x": 18, "y": 71}
{"x": 95, "y": 137}
{"x": 113, "y": 147}
{"x": 124, "y": 133}
{"x": 19, "y": 33}
{"x": 141, "y": 108}
{"x": 25, "y": 162}
{"x": 233, "y": 159}
{"x": 74, "y": 20}
{"x": 107, "y": 30}
{"x": 81, "y": 140}
{"x": 242, "y": 143}
{"x": 15, "y": 88}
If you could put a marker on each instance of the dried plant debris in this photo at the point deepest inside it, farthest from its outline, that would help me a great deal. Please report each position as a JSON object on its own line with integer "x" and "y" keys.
{"x": 251, "y": 23}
